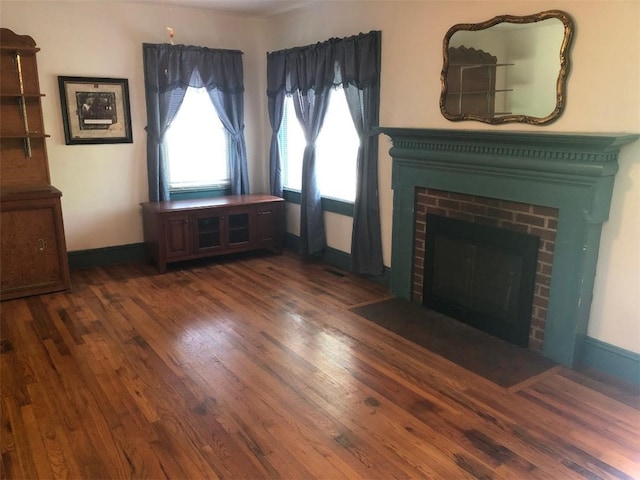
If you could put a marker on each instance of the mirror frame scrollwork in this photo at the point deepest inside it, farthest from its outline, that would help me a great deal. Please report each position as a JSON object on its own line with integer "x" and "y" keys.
{"x": 527, "y": 19}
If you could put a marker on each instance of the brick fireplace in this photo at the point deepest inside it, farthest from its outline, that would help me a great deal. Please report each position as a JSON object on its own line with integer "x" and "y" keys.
{"x": 514, "y": 216}
{"x": 557, "y": 186}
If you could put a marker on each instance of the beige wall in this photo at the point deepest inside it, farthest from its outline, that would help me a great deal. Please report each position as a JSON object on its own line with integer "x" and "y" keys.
{"x": 102, "y": 185}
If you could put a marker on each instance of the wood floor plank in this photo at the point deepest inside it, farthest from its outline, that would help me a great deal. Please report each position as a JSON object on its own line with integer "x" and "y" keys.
{"x": 21, "y": 456}
{"x": 255, "y": 366}
{"x": 549, "y": 431}
{"x": 396, "y": 415}
{"x": 299, "y": 416}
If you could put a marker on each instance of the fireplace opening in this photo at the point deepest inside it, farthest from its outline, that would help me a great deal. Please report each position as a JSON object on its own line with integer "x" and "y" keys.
{"x": 480, "y": 275}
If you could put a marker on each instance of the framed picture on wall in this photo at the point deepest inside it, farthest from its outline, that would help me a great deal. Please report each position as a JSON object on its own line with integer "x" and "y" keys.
{"x": 95, "y": 110}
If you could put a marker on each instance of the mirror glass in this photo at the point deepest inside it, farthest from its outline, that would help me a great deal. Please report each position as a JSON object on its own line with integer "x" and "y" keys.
{"x": 507, "y": 69}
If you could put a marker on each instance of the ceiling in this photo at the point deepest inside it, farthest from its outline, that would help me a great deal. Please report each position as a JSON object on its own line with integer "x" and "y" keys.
{"x": 259, "y": 8}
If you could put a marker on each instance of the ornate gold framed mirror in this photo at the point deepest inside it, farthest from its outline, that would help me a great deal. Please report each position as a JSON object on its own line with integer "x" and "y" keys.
{"x": 507, "y": 69}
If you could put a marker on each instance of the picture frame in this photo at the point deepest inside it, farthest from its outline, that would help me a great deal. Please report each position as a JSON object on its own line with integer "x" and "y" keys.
{"x": 95, "y": 110}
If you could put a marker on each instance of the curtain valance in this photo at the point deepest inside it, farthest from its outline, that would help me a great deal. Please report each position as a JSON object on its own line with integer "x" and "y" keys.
{"x": 190, "y": 66}
{"x": 337, "y": 61}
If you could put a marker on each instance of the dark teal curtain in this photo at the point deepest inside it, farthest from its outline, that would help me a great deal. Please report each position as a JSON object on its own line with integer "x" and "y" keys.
{"x": 310, "y": 110}
{"x": 168, "y": 71}
{"x": 308, "y": 73}
{"x": 275, "y": 106}
{"x": 366, "y": 246}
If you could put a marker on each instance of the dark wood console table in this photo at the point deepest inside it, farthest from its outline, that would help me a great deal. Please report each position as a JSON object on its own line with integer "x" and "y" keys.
{"x": 188, "y": 229}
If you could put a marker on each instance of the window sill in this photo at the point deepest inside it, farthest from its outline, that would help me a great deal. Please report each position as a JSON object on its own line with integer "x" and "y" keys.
{"x": 340, "y": 207}
{"x": 188, "y": 194}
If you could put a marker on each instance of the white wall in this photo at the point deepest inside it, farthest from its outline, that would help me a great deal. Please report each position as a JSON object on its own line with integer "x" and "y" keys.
{"x": 102, "y": 185}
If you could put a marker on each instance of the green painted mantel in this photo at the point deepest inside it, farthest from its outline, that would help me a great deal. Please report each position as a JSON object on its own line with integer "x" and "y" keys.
{"x": 573, "y": 172}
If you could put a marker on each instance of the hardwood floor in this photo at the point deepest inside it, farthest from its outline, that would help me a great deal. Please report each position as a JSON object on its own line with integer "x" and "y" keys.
{"x": 257, "y": 368}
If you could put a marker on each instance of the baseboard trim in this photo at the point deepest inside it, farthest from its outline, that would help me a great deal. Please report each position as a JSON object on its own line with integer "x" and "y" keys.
{"x": 99, "y": 257}
{"x": 135, "y": 252}
{"x": 610, "y": 359}
{"x": 336, "y": 258}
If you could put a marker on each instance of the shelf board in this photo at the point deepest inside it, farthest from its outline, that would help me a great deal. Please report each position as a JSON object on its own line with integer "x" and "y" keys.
{"x": 24, "y": 135}
{"x": 22, "y": 50}
{"x": 15, "y": 192}
{"x": 477, "y": 92}
{"x": 21, "y": 95}
{"x": 481, "y": 64}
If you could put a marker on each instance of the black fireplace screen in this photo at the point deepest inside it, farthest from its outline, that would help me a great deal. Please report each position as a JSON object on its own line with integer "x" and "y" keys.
{"x": 481, "y": 275}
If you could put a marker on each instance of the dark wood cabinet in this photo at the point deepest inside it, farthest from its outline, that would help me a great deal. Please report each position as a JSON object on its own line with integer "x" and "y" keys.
{"x": 33, "y": 254}
{"x": 33, "y": 248}
{"x": 189, "y": 229}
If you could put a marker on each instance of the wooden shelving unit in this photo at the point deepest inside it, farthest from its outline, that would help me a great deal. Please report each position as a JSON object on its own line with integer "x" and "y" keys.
{"x": 33, "y": 248}
{"x": 471, "y": 78}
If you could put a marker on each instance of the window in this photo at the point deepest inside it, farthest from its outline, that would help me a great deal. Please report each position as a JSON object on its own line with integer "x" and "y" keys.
{"x": 197, "y": 145}
{"x": 336, "y": 149}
